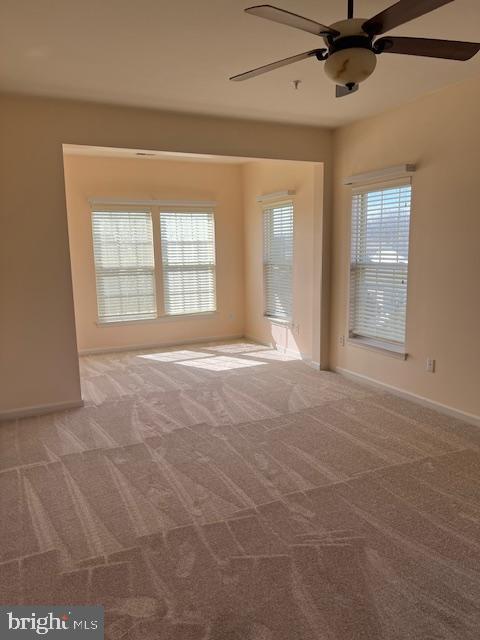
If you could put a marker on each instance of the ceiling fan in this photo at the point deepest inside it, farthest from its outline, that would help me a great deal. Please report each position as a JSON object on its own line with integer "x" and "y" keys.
{"x": 350, "y": 52}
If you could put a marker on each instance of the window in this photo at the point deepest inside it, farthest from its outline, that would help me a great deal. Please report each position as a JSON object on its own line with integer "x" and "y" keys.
{"x": 124, "y": 265}
{"x": 278, "y": 260}
{"x": 188, "y": 257}
{"x": 379, "y": 262}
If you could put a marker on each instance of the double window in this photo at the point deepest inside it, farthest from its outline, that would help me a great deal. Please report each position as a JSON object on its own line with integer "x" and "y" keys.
{"x": 278, "y": 260}
{"x": 379, "y": 262}
{"x": 137, "y": 250}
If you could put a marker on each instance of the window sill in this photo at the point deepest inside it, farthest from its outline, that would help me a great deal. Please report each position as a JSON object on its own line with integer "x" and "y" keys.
{"x": 165, "y": 318}
{"x": 280, "y": 321}
{"x": 385, "y": 348}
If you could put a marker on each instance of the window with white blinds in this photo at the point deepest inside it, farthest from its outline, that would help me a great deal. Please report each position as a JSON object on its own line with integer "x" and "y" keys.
{"x": 124, "y": 265}
{"x": 379, "y": 262}
{"x": 278, "y": 260}
{"x": 188, "y": 257}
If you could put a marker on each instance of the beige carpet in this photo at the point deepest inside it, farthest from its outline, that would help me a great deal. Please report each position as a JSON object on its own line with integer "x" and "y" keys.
{"x": 224, "y": 492}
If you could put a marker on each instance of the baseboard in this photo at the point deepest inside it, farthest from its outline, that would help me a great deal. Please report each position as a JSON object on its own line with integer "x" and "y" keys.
{"x": 288, "y": 352}
{"x": 257, "y": 341}
{"x": 408, "y": 395}
{"x": 39, "y": 410}
{"x": 156, "y": 345}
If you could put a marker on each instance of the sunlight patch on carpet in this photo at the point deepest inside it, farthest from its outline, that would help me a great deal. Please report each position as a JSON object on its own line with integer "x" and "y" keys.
{"x": 221, "y": 363}
{"x": 272, "y": 354}
{"x": 174, "y": 356}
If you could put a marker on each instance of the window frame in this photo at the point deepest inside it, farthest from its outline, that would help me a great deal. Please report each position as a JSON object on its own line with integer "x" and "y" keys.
{"x": 154, "y": 210}
{"x": 122, "y": 209}
{"x": 269, "y": 206}
{"x": 379, "y": 344}
{"x": 190, "y": 210}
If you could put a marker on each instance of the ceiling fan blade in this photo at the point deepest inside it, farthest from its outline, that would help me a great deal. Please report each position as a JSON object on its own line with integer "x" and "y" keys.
{"x": 448, "y": 49}
{"x": 399, "y": 13}
{"x": 276, "y": 65}
{"x": 341, "y": 91}
{"x": 291, "y": 20}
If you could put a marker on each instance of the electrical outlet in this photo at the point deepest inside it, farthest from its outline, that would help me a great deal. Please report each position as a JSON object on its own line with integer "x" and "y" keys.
{"x": 231, "y": 316}
{"x": 342, "y": 341}
{"x": 430, "y": 365}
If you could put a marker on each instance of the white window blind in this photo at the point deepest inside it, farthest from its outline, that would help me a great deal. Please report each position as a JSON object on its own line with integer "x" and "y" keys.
{"x": 278, "y": 260}
{"x": 188, "y": 256}
{"x": 124, "y": 265}
{"x": 379, "y": 262}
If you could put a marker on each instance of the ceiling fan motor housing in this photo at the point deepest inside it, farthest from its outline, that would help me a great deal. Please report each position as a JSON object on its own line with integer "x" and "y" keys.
{"x": 351, "y": 58}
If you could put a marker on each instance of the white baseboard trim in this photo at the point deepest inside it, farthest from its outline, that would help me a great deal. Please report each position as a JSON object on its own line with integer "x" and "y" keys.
{"x": 288, "y": 352}
{"x": 303, "y": 356}
{"x": 257, "y": 341}
{"x": 39, "y": 410}
{"x": 156, "y": 345}
{"x": 408, "y": 395}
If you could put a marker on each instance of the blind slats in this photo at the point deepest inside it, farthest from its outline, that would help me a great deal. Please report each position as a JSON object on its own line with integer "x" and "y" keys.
{"x": 124, "y": 265}
{"x": 188, "y": 256}
{"x": 379, "y": 262}
{"x": 278, "y": 260}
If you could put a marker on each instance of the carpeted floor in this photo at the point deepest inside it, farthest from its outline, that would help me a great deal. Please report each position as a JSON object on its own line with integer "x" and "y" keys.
{"x": 225, "y": 492}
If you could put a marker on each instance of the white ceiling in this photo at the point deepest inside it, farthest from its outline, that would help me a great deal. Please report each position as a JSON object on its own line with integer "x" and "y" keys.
{"x": 178, "y": 55}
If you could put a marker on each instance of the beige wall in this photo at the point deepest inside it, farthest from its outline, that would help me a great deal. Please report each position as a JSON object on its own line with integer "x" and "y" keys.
{"x": 140, "y": 179}
{"x": 441, "y": 134}
{"x": 307, "y": 180}
{"x": 38, "y": 351}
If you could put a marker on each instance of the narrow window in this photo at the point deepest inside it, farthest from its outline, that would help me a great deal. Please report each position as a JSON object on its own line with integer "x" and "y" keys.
{"x": 379, "y": 262}
{"x": 124, "y": 265}
{"x": 278, "y": 260}
{"x": 188, "y": 257}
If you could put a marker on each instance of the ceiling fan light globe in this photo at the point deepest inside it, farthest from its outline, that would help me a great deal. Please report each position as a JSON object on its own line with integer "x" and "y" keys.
{"x": 350, "y": 66}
